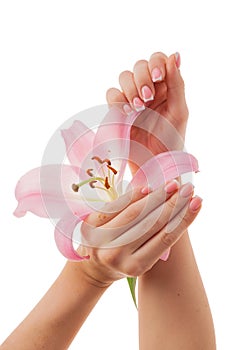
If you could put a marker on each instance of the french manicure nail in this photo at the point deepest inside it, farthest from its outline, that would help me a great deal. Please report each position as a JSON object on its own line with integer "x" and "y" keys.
{"x": 171, "y": 186}
{"x": 165, "y": 255}
{"x": 147, "y": 94}
{"x": 146, "y": 189}
{"x": 178, "y": 60}
{"x": 195, "y": 203}
{"x": 127, "y": 109}
{"x": 156, "y": 75}
{"x": 138, "y": 104}
{"x": 186, "y": 190}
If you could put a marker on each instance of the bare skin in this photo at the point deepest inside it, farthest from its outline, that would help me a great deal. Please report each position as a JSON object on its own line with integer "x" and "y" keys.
{"x": 173, "y": 308}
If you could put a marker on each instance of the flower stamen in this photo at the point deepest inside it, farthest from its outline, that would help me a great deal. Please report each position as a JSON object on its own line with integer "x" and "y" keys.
{"x": 112, "y": 169}
{"x": 75, "y": 187}
{"x": 106, "y": 183}
{"x": 89, "y": 172}
{"x": 106, "y": 160}
{"x": 92, "y": 183}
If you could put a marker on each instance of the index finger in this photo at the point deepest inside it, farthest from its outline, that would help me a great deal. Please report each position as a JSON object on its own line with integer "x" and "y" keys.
{"x": 112, "y": 209}
{"x": 115, "y": 224}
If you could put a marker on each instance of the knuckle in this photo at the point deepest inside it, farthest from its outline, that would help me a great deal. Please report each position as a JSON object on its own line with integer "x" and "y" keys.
{"x": 167, "y": 239}
{"x": 112, "y": 94}
{"x": 151, "y": 223}
{"x": 135, "y": 269}
{"x": 125, "y": 75}
{"x": 182, "y": 83}
{"x": 158, "y": 54}
{"x": 133, "y": 212}
{"x": 139, "y": 63}
{"x": 171, "y": 203}
{"x": 110, "y": 91}
{"x": 159, "y": 223}
{"x": 184, "y": 221}
{"x": 111, "y": 258}
{"x": 130, "y": 271}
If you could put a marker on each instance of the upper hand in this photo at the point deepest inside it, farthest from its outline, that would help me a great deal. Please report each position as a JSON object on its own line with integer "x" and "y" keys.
{"x": 165, "y": 97}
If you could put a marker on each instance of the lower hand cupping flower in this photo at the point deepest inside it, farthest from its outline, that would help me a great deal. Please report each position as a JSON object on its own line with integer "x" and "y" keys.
{"x": 139, "y": 230}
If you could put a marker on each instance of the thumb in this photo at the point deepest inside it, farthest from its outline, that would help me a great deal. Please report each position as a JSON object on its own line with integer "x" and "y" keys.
{"x": 175, "y": 88}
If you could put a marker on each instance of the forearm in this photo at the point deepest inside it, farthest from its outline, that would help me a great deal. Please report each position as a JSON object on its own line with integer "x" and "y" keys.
{"x": 56, "y": 319}
{"x": 173, "y": 308}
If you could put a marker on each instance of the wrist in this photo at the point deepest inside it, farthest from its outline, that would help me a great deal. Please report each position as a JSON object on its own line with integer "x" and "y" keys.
{"x": 86, "y": 274}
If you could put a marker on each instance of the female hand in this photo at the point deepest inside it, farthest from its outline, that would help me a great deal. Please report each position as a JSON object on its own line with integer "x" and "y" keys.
{"x": 156, "y": 84}
{"x": 129, "y": 237}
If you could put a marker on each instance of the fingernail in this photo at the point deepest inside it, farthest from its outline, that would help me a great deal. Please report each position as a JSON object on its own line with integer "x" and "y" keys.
{"x": 186, "y": 190}
{"x": 178, "y": 60}
{"x": 165, "y": 255}
{"x": 171, "y": 186}
{"x": 195, "y": 203}
{"x": 147, "y": 94}
{"x": 127, "y": 109}
{"x": 156, "y": 75}
{"x": 138, "y": 104}
{"x": 146, "y": 189}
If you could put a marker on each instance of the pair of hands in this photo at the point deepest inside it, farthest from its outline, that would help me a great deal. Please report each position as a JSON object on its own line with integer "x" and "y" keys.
{"x": 151, "y": 222}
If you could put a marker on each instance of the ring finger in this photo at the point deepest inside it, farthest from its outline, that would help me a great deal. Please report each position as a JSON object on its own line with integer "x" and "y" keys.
{"x": 156, "y": 219}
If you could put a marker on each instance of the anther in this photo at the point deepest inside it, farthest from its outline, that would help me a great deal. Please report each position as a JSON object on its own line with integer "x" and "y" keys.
{"x": 91, "y": 183}
{"x": 98, "y": 159}
{"x": 106, "y": 160}
{"x": 75, "y": 188}
{"x": 89, "y": 172}
{"x": 113, "y": 170}
{"x": 106, "y": 183}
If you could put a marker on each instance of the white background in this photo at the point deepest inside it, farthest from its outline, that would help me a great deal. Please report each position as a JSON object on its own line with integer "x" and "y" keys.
{"x": 58, "y": 58}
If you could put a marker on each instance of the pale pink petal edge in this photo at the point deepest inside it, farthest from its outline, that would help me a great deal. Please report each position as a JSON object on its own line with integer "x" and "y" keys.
{"x": 63, "y": 237}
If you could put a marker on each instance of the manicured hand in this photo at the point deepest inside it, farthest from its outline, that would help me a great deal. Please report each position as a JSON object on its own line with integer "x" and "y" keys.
{"x": 158, "y": 85}
{"x": 132, "y": 233}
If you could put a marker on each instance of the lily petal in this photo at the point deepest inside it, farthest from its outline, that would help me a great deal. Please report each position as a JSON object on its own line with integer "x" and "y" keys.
{"x": 63, "y": 237}
{"x": 112, "y": 139}
{"x": 164, "y": 167}
{"x": 79, "y": 142}
{"x": 47, "y": 192}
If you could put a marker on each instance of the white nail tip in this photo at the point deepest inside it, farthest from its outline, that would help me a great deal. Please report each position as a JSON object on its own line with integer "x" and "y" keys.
{"x": 140, "y": 109}
{"x": 148, "y": 99}
{"x": 157, "y": 79}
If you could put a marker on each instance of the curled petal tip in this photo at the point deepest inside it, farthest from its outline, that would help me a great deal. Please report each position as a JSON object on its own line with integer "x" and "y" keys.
{"x": 63, "y": 238}
{"x": 19, "y": 213}
{"x": 164, "y": 167}
{"x": 79, "y": 258}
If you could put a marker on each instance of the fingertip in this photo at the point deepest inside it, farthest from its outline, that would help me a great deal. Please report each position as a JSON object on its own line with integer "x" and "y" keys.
{"x": 171, "y": 186}
{"x": 109, "y": 94}
{"x": 195, "y": 204}
{"x": 165, "y": 255}
{"x": 114, "y": 95}
{"x": 173, "y": 64}
{"x": 146, "y": 190}
{"x": 177, "y": 59}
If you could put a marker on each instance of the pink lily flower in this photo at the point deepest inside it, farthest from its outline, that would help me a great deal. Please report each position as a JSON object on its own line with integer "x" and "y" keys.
{"x": 69, "y": 193}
